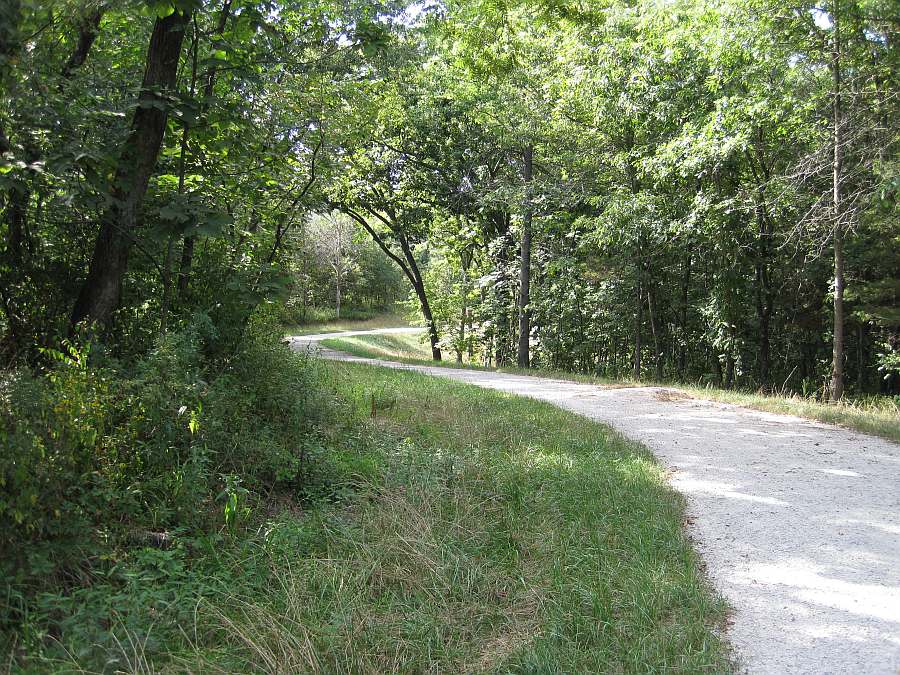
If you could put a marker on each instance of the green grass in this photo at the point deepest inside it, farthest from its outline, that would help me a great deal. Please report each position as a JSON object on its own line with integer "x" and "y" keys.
{"x": 446, "y": 528}
{"x": 411, "y": 349}
{"x": 332, "y": 325}
{"x": 394, "y": 346}
{"x": 876, "y": 415}
{"x": 492, "y": 533}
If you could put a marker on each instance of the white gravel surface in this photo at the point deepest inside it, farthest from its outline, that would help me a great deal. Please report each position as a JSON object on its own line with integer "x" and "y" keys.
{"x": 797, "y": 522}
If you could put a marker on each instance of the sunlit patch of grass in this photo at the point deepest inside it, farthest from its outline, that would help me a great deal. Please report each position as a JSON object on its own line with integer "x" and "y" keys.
{"x": 395, "y": 346}
{"x": 504, "y": 534}
{"x": 876, "y": 415}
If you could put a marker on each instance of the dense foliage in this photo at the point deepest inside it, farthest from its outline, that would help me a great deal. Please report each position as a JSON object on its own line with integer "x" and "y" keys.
{"x": 694, "y": 190}
{"x": 697, "y": 190}
{"x": 158, "y": 165}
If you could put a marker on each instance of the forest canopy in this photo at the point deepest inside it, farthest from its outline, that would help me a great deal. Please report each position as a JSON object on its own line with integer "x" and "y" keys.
{"x": 675, "y": 190}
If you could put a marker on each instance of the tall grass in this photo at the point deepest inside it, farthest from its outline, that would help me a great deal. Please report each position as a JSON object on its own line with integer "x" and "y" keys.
{"x": 484, "y": 533}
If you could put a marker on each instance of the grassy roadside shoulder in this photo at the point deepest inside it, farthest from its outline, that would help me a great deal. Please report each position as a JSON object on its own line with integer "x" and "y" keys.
{"x": 876, "y": 416}
{"x": 441, "y": 528}
{"x": 496, "y": 534}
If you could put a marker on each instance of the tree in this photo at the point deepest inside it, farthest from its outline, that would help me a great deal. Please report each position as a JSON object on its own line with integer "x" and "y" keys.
{"x": 331, "y": 236}
{"x": 102, "y": 289}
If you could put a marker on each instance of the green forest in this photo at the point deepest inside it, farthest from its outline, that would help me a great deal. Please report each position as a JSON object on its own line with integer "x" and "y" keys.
{"x": 694, "y": 191}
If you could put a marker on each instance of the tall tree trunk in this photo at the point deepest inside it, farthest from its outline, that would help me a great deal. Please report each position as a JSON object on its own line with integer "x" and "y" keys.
{"x": 653, "y": 331}
{"x": 182, "y": 173}
{"x": 764, "y": 296}
{"x": 419, "y": 287}
{"x": 837, "y": 362}
{"x": 102, "y": 290}
{"x": 523, "y": 354}
{"x": 634, "y": 184}
{"x": 729, "y": 360}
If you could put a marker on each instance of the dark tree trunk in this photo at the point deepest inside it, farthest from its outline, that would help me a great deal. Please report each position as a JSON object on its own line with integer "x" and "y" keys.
{"x": 433, "y": 338}
{"x": 651, "y": 308}
{"x": 634, "y": 184}
{"x": 407, "y": 264}
{"x": 729, "y": 360}
{"x": 102, "y": 290}
{"x": 523, "y": 353}
{"x": 764, "y": 294}
{"x": 88, "y": 30}
{"x": 415, "y": 276}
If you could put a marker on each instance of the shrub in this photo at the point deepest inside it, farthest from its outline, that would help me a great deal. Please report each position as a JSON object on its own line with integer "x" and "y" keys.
{"x": 102, "y": 457}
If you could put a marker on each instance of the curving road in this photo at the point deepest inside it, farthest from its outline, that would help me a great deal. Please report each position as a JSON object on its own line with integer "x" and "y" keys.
{"x": 797, "y": 522}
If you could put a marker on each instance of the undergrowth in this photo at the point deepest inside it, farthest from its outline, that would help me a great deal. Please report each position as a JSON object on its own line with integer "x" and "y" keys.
{"x": 437, "y": 528}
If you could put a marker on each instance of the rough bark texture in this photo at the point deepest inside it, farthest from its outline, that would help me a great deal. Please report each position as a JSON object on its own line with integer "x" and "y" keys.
{"x": 523, "y": 354}
{"x": 102, "y": 290}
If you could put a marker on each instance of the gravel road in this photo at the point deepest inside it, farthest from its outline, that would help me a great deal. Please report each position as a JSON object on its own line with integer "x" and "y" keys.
{"x": 797, "y": 522}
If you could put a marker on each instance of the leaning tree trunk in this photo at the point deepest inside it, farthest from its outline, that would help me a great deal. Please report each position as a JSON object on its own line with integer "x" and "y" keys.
{"x": 408, "y": 265}
{"x": 523, "y": 354}
{"x": 415, "y": 277}
{"x": 837, "y": 363}
{"x": 429, "y": 319}
{"x": 102, "y": 290}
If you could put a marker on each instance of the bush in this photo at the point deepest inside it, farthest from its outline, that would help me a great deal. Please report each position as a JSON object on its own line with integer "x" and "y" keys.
{"x": 101, "y": 457}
